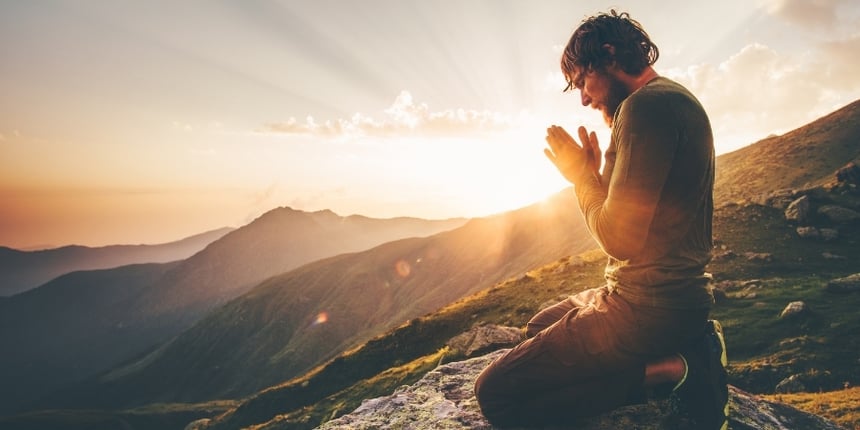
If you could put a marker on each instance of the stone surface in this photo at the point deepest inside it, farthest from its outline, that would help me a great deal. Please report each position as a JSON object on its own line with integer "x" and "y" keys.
{"x": 761, "y": 257}
{"x": 792, "y": 384}
{"x": 484, "y": 338}
{"x": 808, "y": 233}
{"x": 798, "y": 210}
{"x": 794, "y": 309}
{"x": 444, "y": 400}
{"x": 848, "y": 284}
{"x": 838, "y": 214}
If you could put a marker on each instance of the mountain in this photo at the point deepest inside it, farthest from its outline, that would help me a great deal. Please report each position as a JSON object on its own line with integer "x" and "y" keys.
{"x": 295, "y": 321}
{"x": 72, "y": 327}
{"x": 805, "y": 157}
{"x": 83, "y": 323}
{"x": 24, "y": 270}
{"x": 761, "y": 265}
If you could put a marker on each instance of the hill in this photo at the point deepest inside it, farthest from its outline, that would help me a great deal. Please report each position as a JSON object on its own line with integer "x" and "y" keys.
{"x": 805, "y": 157}
{"x": 24, "y": 270}
{"x": 297, "y": 320}
{"x": 761, "y": 264}
{"x": 83, "y": 323}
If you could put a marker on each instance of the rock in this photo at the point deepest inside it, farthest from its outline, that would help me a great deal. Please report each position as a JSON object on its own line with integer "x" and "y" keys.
{"x": 849, "y": 174}
{"x": 723, "y": 255}
{"x": 792, "y": 384}
{"x": 444, "y": 400}
{"x": 838, "y": 214}
{"x": 779, "y": 199}
{"x": 808, "y": 233}
{"x": 761, "y": 257}
{"x": 794, "y": 309}
{"x": 483, "y": 338}
{"x": 828, "y": 233}
{"x": 798, "y": 210}
{"x": 848, "y": 284}
{"x": 198, "y": 424}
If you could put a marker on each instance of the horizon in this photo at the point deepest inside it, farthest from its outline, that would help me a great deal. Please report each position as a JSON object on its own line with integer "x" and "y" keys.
{"x": 126, "y": 124}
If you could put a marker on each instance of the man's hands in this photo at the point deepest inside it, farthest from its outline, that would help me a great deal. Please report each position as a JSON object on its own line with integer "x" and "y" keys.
{"x": 572, "y": 160}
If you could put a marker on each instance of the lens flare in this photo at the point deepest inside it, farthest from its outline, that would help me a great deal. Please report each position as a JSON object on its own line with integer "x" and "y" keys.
{"x": 321, "y": 318}
{"x": 402, "y": 268}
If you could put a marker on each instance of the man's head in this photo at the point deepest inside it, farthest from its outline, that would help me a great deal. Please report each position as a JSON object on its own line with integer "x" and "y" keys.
{"x": 602, "y": 48}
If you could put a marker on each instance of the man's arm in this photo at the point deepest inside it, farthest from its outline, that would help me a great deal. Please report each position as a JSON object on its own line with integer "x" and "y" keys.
{"x": 619, "y": 216}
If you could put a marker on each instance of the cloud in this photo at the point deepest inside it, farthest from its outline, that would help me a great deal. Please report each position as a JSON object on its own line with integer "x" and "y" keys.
{"x": 759, "y": 91}
{"x": 810, "y": 14}
{"x": 403, "y": 117}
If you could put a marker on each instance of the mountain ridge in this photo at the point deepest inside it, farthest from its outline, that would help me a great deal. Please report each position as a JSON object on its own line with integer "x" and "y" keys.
{"x": 23, "y": 270}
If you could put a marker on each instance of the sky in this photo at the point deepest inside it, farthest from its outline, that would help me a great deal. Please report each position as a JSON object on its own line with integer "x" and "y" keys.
{"x": 125, "y": 122}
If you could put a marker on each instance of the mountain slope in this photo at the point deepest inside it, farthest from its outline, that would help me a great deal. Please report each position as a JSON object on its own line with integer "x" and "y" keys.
{"x": 70, "y": 328}
{"x": 297, "y": 320}
{"x": 23, "y": 270}
{"x": 58, "y": 344}
{"x": 806, "y": 156}
{"x": 763, "y": 348}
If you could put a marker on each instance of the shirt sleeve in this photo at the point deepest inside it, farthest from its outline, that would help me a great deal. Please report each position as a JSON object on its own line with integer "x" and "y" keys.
{"x": 620, "y": 215}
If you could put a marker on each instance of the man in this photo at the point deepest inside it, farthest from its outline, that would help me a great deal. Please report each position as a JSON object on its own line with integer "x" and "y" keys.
{"x": 650, "y": 210}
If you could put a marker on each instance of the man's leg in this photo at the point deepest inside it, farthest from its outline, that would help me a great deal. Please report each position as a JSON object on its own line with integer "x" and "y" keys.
{"x": 570, "y": 369}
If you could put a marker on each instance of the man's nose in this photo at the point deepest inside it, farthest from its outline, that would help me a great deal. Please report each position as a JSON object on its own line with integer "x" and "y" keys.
{"x": 586, "y": 100}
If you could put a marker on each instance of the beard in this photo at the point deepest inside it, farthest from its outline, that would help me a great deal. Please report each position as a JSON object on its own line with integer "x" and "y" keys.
{"x": 616, "y": 93}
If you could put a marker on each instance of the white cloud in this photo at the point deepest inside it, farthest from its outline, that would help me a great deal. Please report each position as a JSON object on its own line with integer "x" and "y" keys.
{"x": 403, "y": 117}
{"x": 760, "y": 91}
{"x": 808, "y": 14}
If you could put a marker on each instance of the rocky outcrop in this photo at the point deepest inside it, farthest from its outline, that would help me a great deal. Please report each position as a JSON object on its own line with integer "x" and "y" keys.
{"x": 444, "y": 400}
{"x": 848, "y": 284}
{"x": 484, "y": 338}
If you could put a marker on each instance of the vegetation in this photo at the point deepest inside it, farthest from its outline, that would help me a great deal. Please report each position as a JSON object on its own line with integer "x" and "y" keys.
{"x": 841, "y": 406}
{"x": 820, "y": 346}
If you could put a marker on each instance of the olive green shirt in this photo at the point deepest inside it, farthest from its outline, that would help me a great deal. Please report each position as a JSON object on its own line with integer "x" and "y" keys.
{"x": 651, "y": 211}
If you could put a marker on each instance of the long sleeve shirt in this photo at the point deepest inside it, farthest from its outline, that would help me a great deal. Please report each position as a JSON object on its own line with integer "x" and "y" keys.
{"x": 652, "y": 214}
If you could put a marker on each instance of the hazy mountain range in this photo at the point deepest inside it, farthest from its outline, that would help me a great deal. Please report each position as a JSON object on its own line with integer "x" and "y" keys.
{"x": 236, "y": 320}
{"x": 23, "y": 270}
{"x": 84, "y": 322}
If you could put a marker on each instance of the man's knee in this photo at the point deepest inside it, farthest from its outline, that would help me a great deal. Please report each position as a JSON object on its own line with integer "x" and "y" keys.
{"x": 492, "y": 397}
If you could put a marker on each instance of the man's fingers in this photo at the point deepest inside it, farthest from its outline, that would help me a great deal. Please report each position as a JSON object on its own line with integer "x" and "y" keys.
{"x": 550, "y": 155}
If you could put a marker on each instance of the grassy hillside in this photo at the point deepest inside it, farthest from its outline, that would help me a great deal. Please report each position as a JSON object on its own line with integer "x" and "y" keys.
{"x": 295, "y": 321}
{"x": 807, "y": 156}
{"x": 763, "y": 349}
{"x": 71, "y": 328}
{"x": 85, "y": 323}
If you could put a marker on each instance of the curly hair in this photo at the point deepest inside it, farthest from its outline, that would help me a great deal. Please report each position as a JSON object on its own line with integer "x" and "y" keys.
{"x": 634, "y": 50}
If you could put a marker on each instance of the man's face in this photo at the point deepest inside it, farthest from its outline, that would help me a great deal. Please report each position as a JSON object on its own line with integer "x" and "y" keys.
{"x": 600, "y": 90}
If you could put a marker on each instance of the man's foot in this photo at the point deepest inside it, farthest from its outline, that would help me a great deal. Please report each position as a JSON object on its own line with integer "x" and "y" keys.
{"x": 702, "y": 396}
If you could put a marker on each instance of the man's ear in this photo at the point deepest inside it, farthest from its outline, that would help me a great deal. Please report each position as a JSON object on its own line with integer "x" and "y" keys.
{"x": 611, "y": 49}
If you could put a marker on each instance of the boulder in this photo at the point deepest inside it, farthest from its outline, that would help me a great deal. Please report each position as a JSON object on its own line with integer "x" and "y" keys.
{"x": 444, "y": 400}
{"x": 848, "y": 284}
{"x": 794, "y": 309}
{"x": 808, "y": 233}
{"x": 849, "y": 173}
{"x": 483, "y": 338}
{"x": 798, "y": 210}
{"x": 828, "y": 233}
{"x": 792, "y": 384}
{"x": 838, "y": 214}
{"x": 760, "y": 257}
